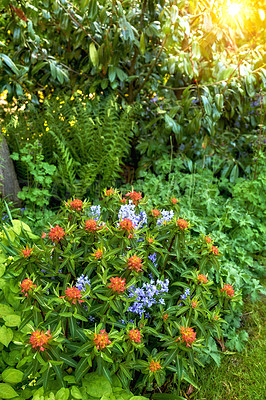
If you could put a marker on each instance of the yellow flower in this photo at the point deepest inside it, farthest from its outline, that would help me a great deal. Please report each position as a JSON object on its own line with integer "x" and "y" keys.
{"x": 72, "y": 98}
{"x": 79, "y": 91}
{"x": 47, "y": 129}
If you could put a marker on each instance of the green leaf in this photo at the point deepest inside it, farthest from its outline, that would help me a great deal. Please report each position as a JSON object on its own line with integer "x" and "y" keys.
{"x": 9, "y": 63}
{"x": 12, "y": 375}
{"x": 96, "y": 385}
{"x": 82, "y": 368}
{"x": 170, "y": 357}
{"x": 6, "y": 335}
{"x": 7, "y": 392}
{"x": 12, "y": 320}
{"x": 5, "y": 310}
{"x": 62, "y": 394}
{"x": 75, "y": 392}
{"x": 142, "y": 43}
{"x": 94, "y": 55}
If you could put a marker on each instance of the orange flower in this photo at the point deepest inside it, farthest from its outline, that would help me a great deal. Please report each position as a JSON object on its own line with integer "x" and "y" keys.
{"x": 156, "y": 213}
{"x": 150, "y": 240}
{"x": 56, "y": 234}
{"x": 98, "y": 254}
{"x": 135, "y": 197}
{"x": 91, "y": 225}
{"x": 194, "y": 303}
{"x": 126, "y": 224}
{"x": 208, "y": 239}
{"x": 215, "y": 250}
{"x": 154, "y": 366}
{"x": 173, "y": 200}
{"x": 134, "y": 335}
{"x": 202, "y": 278}
{"x": 135, "y": 263}
{"x": 76, "y": 205}
{"x": 72, "y": 294}
{"x": 43, "y": 235}
{"x": 182, "y": 224}
{"x": 39, "y": 340}
{"x": 109, "y": 192}
{"x": 229, "y": 290}
{"x": 165, "y": 317}
{"x": 101, "y": 340}
{"x": 26, "y": 286}
{"x": 188, "y": 335}
{"x": 26, "y": 252}
{"x": 117, "y": 284}
{"x": 123, "y": 200}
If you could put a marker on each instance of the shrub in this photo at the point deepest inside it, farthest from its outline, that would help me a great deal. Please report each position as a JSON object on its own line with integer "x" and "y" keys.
{"x": 115, "y": 291}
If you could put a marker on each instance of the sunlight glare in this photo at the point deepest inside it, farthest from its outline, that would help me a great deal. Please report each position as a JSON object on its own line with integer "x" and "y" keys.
{"x": 233, "y": 9}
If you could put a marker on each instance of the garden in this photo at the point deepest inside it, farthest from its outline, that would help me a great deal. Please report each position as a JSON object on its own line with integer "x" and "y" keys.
{"x": 132, "y": 209}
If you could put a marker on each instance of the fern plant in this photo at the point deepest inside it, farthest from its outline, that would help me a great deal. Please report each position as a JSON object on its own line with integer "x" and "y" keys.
{"x": 85, "y": 138}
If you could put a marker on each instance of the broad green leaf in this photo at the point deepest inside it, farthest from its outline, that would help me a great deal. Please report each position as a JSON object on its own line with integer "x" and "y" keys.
{"x": 12, "y": 320}
{"x": 6, "y": 335}
{"x": 12, "y": 375}
{"x": 96, "y": 385}
{"x": 7, "y": 392}
{"x": 94, "y": 55}
{"x": 142, "y": 43}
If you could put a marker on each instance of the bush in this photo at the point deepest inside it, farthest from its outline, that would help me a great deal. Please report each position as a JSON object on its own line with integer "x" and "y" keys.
{"x": 126, "y": 292}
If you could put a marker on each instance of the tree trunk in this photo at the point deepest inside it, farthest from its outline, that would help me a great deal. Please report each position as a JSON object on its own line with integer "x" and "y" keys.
{"x": 9, "y": 186}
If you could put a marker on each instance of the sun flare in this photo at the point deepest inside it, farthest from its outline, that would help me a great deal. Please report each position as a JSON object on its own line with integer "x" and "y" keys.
{"x": 233, "y": 9}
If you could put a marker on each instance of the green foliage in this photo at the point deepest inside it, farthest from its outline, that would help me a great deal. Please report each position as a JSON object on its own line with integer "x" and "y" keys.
{"x": 238, "y": 377}
{"x": 105, "y": 304}
{"x": 232, "y": 214}
{"x": 85, "y": 138}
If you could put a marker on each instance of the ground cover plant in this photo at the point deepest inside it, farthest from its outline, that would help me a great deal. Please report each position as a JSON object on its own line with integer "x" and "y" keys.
{"x": 237, "y": 378}
{"x": 132, "y": 293}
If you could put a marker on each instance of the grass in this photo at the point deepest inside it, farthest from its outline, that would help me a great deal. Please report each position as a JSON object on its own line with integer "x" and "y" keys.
{"x": 241, "y": 376}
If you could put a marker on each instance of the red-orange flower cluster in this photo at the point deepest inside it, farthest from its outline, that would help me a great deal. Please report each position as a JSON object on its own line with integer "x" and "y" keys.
{"x": 91, "y": 225}
{"x": 56, "y": 234}
{"x": 208, "y": 239}
{"x": 135, "y": 263}
{"x": 202, "y": 278}
{"x": 101, "y": 340}
{"x": 126, "y": 225}
{"x": 109, "y": 192}
{"x": 215, "y": 250}
{"x": 194, "y": 303}
{"x": 26, "y": 286}
{"x": 150, "y": 240}
{"x": 117, "y": 284}
{"x": 188, "y": 335}
{"x": 182, "y": 223}
{"x": 154, "y": 366}
{"x": 165, "y": 317}
{"x": 134, "y": 335}
{"x": 98, "y": 254}
{"x": 156, "y": 213}
{"x": 76, "y": 205}
{"x": 73, "y": 294}
{"x": 173, "y": 200}
{"x": 27, "y": 251}
{"x": 229, "y": 290}
{"x": 135, "y": 197}
{"x": 39, "y": 340}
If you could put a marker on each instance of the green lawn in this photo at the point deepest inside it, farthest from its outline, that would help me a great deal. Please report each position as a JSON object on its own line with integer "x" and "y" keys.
{"x": 241, "y": 376}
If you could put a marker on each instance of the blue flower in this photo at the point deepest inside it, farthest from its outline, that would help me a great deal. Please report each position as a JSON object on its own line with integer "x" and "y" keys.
{"x": 185, "y": 295}
{"x": 128, "y": 211}
{"x": 153, "y": 257}
{"x": 82, "y": 281}
{"x": 95, "y": 212}
{"x": 166, "y": 217}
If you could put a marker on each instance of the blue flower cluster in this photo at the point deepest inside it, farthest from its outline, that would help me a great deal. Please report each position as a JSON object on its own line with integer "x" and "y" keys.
{"x": 148, "y": 295}
{"x": 82, "y": 281}
{"x": 153, "y": 258}
{"x": 95, "y": 212}
{"x": 166, "y": 217}
{"x": 185, "y": 295}
{"x": 128, "y": 211}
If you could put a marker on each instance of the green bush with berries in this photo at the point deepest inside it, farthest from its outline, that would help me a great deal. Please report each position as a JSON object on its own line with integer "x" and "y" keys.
{"x": 115, "y": 298}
